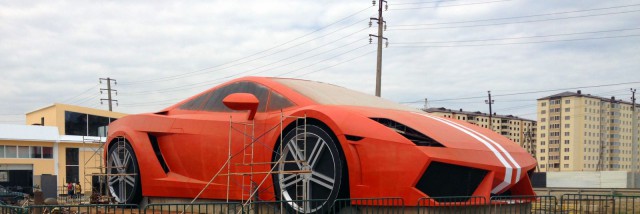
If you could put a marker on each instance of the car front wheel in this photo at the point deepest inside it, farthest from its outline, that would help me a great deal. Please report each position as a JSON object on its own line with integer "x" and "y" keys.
{"x": 123, "y": 175}
{"x": 310, "y": 170}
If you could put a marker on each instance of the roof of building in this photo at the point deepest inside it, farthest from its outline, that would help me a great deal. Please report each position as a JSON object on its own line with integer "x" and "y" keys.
{"x": 580, "y": 94}
{"x": 41, "y": 133}
{"x": 28, "y": 133}
{"x": 475, "y": 113}
{"x": 81, "y": 108}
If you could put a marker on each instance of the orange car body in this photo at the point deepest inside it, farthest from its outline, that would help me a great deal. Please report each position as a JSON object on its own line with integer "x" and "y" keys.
{"x": 380, "y": 161}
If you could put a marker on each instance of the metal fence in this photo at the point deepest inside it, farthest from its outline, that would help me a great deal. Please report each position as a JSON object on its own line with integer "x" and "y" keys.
{"x": 84, "y": 208}
{"x": 214, "y": 207}
{"x": 569, "y": 203}
{"x": 578, "y": 203}
{"x": 8, "y": 209}
{"x": 458, "y": 204}
{"x": 523, "y": 204}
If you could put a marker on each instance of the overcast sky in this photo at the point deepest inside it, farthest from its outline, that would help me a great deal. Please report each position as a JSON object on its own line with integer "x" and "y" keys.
{"x": 161, "y": 52}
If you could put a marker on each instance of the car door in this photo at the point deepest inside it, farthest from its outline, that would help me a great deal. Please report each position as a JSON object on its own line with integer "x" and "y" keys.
{"x": 201, "y": 137}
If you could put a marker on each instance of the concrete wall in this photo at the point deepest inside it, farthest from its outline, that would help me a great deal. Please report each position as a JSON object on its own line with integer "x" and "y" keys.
{"x": 602, "y": 179}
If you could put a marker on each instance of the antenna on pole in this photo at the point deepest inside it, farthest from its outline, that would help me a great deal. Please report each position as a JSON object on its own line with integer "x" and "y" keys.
{"x": 490, "y": 102}
{"x": 109, "y": 99}
{"x": 382, "y": 26}
{"x": 634, "y": 140}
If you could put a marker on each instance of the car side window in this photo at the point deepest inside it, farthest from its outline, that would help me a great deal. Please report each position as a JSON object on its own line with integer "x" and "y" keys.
{"x": 195, "y": 103}
{"x": 278, "y": 102}
{"x": 214, "y": 102}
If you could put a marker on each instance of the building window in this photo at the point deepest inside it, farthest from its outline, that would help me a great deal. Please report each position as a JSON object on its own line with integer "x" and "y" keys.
{"x": 567, "y": 109}
{"x": 23, "y": 152}
{"x": 543, "y": 104}
{"x": 36, "y": 152}
{"x": 566, "y": 149}
{"x": 72, "y": 160}
{"x": 567, "y": 125}
{"x": 542, "y": 150}
{"x": 47, "y": 152}
{"x": 567, "y": 101}
{"x": 85, "y": 124}
{"x": 567, "y": 117}
{"x": 542, "y": 158}
{"x": 1, "y": 151}
{"x": 566, "y": 157}
{"x": 566, "y": 165}
{"x": 566, "y": 141}
{"x": 543, "y": 112}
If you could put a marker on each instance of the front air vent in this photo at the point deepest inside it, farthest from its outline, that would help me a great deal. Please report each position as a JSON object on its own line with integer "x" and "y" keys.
{"x": 409, "y": 133}
{"x": 353, "y": 137}
{"x": 156, "y": 150}
{"x": 447, "y": 180}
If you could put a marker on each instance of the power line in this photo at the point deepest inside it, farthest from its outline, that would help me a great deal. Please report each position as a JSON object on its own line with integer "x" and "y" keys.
{"x": 519, "y": 17}
{"x": 324, "y": 60}
{"x": 422, "y": 2}
{"x": 514, "y": 43}
{"x": 457, "y": 5}
{"x": 305, "y": 52}
{"x": 524, "y": 37}
{"x": 370, "y": 52}
{"x": 529, "y": 92}
{"x": 220, "y": 79}
{"x": 518, "y": 22}
{"x": 255, "y": 54}
{"x": 81, "y": 93}
{"x": 232, "y": 75}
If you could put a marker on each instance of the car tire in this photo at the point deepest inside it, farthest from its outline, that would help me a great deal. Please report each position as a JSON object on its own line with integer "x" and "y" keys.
{"x": 313, "y": 192}
{"x": 123, "y": 173}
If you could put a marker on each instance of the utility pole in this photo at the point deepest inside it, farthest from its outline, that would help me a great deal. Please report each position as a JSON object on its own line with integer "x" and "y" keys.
{"x": 381, "y": 25}
{"x": 634, "y": 140}
{"x": 426, "y": 104}
{"x": 109, "y": 90}
{"x": 490, "y": 101}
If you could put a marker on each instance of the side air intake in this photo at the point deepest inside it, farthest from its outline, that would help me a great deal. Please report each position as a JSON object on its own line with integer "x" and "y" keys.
{"x": 409, "y": 133}
{"x": 156, "y": 150}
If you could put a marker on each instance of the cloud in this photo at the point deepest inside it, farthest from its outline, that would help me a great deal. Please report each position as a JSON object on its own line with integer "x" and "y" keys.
{"x": 55, "y": 51}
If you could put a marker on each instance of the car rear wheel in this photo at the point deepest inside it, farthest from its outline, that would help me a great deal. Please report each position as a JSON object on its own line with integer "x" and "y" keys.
{"x": 123, "y": 173}
{"x": 311, "y": 170}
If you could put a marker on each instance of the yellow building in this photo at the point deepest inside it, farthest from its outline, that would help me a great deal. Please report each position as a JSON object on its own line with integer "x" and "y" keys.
{"x": 59, "y": 140}
{"x": 582, "y": 132}
{"x": 519, "y": 130}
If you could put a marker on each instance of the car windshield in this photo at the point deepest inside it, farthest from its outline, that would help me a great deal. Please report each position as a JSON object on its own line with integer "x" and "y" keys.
{"x": 328, "y": 94}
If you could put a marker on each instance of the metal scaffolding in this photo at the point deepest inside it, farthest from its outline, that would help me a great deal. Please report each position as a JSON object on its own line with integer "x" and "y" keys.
{"x": 249, "y": 185}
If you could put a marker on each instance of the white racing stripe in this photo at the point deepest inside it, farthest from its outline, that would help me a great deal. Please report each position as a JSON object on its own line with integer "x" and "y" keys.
{"x": 504, "y": 151}
{"x": 509, "y": 170}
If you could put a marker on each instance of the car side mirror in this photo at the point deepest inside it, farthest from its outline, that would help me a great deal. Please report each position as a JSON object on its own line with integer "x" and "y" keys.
{"x": 242, "y": 101}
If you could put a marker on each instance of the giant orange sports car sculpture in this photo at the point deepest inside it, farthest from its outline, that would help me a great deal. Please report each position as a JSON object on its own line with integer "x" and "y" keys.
{"x": 355, "y": 145}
